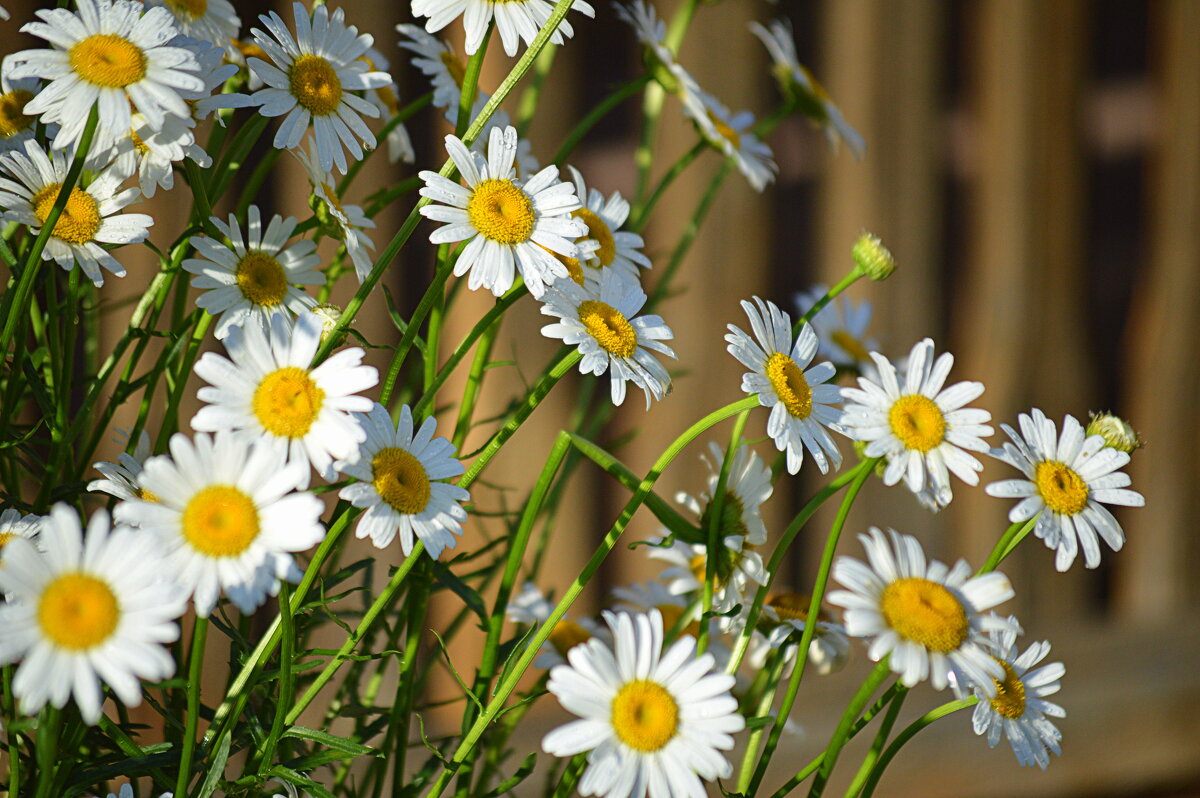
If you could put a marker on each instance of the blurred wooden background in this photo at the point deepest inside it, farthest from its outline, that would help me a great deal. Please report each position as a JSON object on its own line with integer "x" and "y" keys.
{"x": 1035, "y": 168}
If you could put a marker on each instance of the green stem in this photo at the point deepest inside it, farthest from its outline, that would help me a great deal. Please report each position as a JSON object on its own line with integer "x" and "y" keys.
{"x": 605, "y": 106}
{"x": 641, "y": 212}
{"x": 766, "y": 700}
{"x": 418, "y": 602}
{"x": 533, "y": 92}
{"x": 470, "y": 84}
{"x": 881, "y": 738}
{"x": 842, "y": 733}
{"x": 431, "y": 296}
{"x": 1009, "y": 541}
{"x": 286, "y": 677}
{"x": 910, "y": 732}
{"x": 713, "y": 542}
{"x": 195, "y": 664}
{"x": 48, "y": 757}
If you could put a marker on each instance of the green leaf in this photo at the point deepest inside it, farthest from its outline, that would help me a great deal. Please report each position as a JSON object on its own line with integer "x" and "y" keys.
{"x": 512, "y": 781}
{"x": 216, "y": 768}
{"x": 469, "y": 595}
{"x": 343, "y": 744}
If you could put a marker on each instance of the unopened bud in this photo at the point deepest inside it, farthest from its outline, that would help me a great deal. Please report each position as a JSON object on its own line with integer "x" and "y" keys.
{"x": 872, "y": 257}
{"x": 329, "y": 315}
{"x": 1116, "y": 431}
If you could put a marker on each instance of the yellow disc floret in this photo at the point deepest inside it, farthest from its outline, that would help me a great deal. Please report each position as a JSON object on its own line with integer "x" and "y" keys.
{"x": 261, "y": 279}
{"x": 1009, "y": 701}
{"x": 726, "y": 132}
{"x": 287, "y": 402}
{"x": 609, "y": 327}
{"x": 918, "y": 422}
{"x": 315, "y": 85}
{"x": 501, "y": 211}
{"x": 80, "y": 219}
{"x": 220, "y": 521}
{"x": 400, "y": 480}
{"x": 78, "y": 611}
{"x": 925, "y": 612}
{"x": 600, "y": 233}
{"x": 191, "y": 9}
{"x": 12, "y": 112}
{"x": 790, "y": 385}
{"x": 108, "y": 60}
{"x": 566, "y": 635}
{"x": 850, "y": 345}
{"x": 645, "y": 716}
{"x": 1063, "y": 490}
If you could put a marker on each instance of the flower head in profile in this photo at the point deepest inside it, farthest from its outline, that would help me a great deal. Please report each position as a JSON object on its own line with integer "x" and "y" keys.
{"x": 602, "y": 321}
{"x": 732, "y": 135}
{"x": 349, "y": 220}
{"x": 921, "y": 427}
{"x": 214, "y": 21}
{"x": 785, "y": 616}
{"x": 436, "y": 59}
{"x": 400, "y": 470}
{"x": 312, "y": 79}
{"x": 123, "y": 478}
{"x": 15, "y": 524}
{"x": 1068, "y": 480}
{"x": 926, "y": 616}
{"x": 507, "y": 224}
{"x": 654, "y": 723}
{"x": 16, "y": 127}
{"x": 841, "y": 328}
{"x": 616, "y": 249}
{"x": 268, "y": 388}
{"x": 86, "y": 610}
{"x": 516, "y": 20}
{"x": 801, "y": 402}
{"x": 531, "y": 607}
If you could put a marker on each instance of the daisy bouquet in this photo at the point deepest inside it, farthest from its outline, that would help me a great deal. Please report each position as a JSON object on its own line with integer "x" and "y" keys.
{"x": 196, "y": 618}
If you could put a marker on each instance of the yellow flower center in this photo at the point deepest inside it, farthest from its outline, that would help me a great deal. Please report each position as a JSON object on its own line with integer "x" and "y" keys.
{"x": 108, "y": 60}
{"x": 400, "y": 480}
{"x": 220, "y": 521}
{"x": 727, "y": 133}
{"x": 315, "y": 85}
{"x": 12, "y": 116}
{"x": 454, "y": 66}
{"x": 287, "y": 402}
{"x": 609, "y": 327}
{"x": 80, "y": 219}
{"x": 1010, "y": 694}
{"x": 5, "y": 537}
{"x": 249, "y": 49}
{"x": 78, "y": 611}
{"x": 1063, "y": 490}
{"x": 501, "y": 211}
{"x": 917, "y": 422}
{"x": 850, "y": 345}
{"x": 261, "y": 279}
{"x": 926, "y": 613}
{"x": 147, "y": 495}
{"x": 672, "y": 613}
{"x": 138, "y": 143}
{"x": 574, "y": 269}
{"x": 645, "y": 716}
{"x": 790, "y": 606}
{"x": 790, "y": 386}
{"x": 600, "y": 233}
{"x": 567, "y": 635}
{"x": 192, "y": 9}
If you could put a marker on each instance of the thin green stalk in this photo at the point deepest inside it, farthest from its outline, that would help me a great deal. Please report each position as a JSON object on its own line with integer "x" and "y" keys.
{"x": 170, "y": 421}
{"x": 641, "y": 212}
{"x": 842, "y": 733}
{"x": 713, "y": 542}
{"x": 257, "y": 178}
{"x": 410, "y": 333}
{"x": 881, "y": 738}
{"x": 235, "y": 155}
{"x": 474, "y": 383}
{"x": 908, "y": 733}
{"x": 765, "y": 702}
{"x": 287, "y": 679}
{"x": 693, "y": 228}
{"x": 533, "y": 92}
{"x": 48, "y": 753}
{"x": 433, "y": 331}
{"x": 470, "y": 84}
{"x": 601, "y": 110}
{"x": 418, "y": 602}
{"x": 1008, "y": 542}
{"x": 195, "y": 665}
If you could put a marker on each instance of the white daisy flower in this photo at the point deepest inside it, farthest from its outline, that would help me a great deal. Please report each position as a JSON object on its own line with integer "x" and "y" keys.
{"x": 14, "y": 524}
{"x": 732, "y": 135}
{"x": 89, "y": 219}
{"x": 921, "y": 428}
{"x": 801, "y": 402}
{"x": 531, "y": 607}
{"x": 386, "y": 98}
{"x": 525, "y": 163}
{"x": 213, "y": 21}
{"x": 151, "y": 154}
{"x": 616, "y": 249}
{"x": 313, "y": 79}
{"x": 16, "y": 127}
{"x": 797, "y": 82}
{"x": 82, "y": 611}
{"x": 108, "y": 52}
{"x": 655, "y": 723}
{"x": 254, "y": 278}
{"x": 399, "y": 470}
{"x": 437, "y": 61}
{"x": 785, "y": 615}
{"x": 505, "y": 223}
{"x": 268, "y": 388}
{"x": 352, "y": 223}
{"x": 1068, "y": 480}
{"x": 648, "y": 28}
{"x": 228, "y": 516}
{"x": 602, "y": 321}
{"x": 516, "y": 20}
{"x": 841, "y": 328}
{"x": 214, "y": 71}
{"x": 927, "y": 617}
{"x": 1018, "y": 709}
{"x": 122, "y": 478}
{"x": 126, "y": 791}
{"x": 655, "y": 595}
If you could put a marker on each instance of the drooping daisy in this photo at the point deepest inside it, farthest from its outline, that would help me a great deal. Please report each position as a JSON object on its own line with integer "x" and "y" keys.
{"x": 516, "y": 20}
{"x": 268, "y": 388}
{"x": 1068, "y": 480}
{"x": 351, "y": 222}
{"x": 798, "y": 83}
{"x": 123, "y": 478}
{"x": 255, "y": 278}
{"x": 927, "y": 617}
{"x": 1018, "y": 709}
{"x": 151, "y": 154}
{"x": 801, "y": 403}
{"x": 86, "y": 610}
{"x": 214, "y": 71}
{"x": 786, "y": 615}
{"x": 841, "y": 328}
{"x": 438, "y": 62}
{"x": 16, "y": 127}
{"x": 14, "y": 524}
{"x": 610, "y": 335}
{"x": 386, "y": 99}
{"x": 507, "y": 225}
{"x": 227, "y": 516}
{"x": 655, "y": 723}
{"x": 531, "y": 607}
{"x": 399, "y": 471}
{"x": 731, "y": 134}
{"x": 89, "y": 218}
{"x": 313, "y": 79}
{"x": 616, "y": 249}
{"x": 922, "y": 429}
{"x": 111, "y": 53}
{"x": 649, "y": 29}
{"x": 213, "y": 21}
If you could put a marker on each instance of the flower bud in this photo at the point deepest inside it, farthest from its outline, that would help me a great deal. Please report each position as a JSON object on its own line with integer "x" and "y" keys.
{"x": 329, "y": 315}
{"x": 872, "y": 257}
{"x": 1116, "y": 431}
